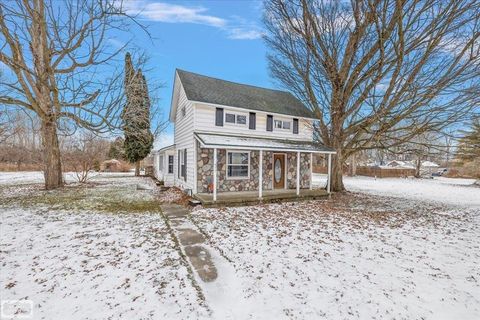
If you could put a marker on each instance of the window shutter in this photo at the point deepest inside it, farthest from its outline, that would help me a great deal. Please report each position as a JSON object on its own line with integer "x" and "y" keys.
{"x": 269, "y": 122}
{"x": 219, "y": 117}
{"x": 252, "y": 121}
{"x": 295, "y": 126}
{"x": 185, "y": 164}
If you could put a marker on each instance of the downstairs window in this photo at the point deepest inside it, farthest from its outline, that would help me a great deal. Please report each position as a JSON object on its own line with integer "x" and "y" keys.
{"x": 238, "y": 165}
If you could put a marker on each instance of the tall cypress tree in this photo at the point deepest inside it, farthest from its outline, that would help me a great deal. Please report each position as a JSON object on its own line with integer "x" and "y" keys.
{"x": 136, "y": 116}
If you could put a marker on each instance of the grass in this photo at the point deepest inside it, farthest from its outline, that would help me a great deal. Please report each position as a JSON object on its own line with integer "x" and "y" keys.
{"x": 111, "y": 199}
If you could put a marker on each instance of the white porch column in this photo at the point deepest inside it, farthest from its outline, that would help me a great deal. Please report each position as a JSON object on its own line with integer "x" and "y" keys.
{"x": 329, "y": 168}
{"x": 298, "y": 173}
{"x": 311, "y": 170}
{"x": 215, "y": 174}
{"x": 260, "y": 175}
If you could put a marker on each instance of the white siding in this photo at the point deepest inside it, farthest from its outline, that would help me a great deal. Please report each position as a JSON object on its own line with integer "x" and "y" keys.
{"x": 205, "y": 122}
{"x": 183, "y": 137}
{"x": 162, "y": 174}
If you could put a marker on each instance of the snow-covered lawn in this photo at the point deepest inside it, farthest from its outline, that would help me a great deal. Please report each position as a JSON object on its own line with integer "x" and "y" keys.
{"x": 105, "y": 251}
{"x": 80, "y": 254}
{"x": 352, "y": 257}
{"x": 460, "y": 192}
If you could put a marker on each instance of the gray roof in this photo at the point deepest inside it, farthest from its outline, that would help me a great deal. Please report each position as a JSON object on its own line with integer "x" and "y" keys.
{"x": 216, "y": 91}
{"x": 213, "y": 140}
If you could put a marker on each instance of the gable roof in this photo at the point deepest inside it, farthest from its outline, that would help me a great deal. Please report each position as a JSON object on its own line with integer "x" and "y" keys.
{"x": 216, "y": 91}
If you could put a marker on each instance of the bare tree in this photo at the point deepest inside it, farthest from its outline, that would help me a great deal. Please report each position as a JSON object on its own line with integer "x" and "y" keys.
{"x": 59, "y": 67}
{"x": 85, "y": 154}
{"x": 376, "y": 72}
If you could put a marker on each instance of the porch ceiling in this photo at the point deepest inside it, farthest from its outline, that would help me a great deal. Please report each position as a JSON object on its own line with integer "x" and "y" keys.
{"x": 211, "y": 140}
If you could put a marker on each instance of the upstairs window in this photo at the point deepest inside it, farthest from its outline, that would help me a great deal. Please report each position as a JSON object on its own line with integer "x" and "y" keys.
{"x": 229, "y": 118}
{"x": 241, "y": 119}
{"x": 235, "y": 118}
{"x": 285, "y": 125}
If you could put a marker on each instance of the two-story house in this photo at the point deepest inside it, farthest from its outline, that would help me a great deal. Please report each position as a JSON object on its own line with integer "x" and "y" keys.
{"x": 236, "y": 138}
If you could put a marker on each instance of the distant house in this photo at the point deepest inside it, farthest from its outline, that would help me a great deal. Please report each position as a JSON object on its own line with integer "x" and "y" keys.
{"x": 232, "y": 138}
{"x": 427, "y": 167}
{"x": 112, "y": 165}
{"x": 399, "y": 164}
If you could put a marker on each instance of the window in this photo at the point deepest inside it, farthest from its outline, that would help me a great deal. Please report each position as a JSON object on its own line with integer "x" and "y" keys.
{"x": 229, "y": 118}
{"x": 182, "y": 163}
{"x": 279, "y": 124}
{"x": 170, "y": 164}
{"x": 241, "y": 119}
{"x": 235, "y": 118}
{"x": 238, "y": 165}
{"x": 160, "y": 163}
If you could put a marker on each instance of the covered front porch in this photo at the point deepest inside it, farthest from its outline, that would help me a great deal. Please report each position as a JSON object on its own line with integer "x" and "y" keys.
{"x": 239, "y": 169}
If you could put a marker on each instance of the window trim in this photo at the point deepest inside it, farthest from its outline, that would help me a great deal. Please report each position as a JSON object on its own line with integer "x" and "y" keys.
{"x": 236, "y": 114}
{"x": 170, "y": 164}
{"x": 227, "y": 177}
{"x": 282, "y": 122}
{"x": 160, "y": 162}
{"x": 182, "y": 163}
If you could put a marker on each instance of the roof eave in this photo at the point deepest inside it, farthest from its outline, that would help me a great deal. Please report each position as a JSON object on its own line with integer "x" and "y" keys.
{"x": 267, "y": 148}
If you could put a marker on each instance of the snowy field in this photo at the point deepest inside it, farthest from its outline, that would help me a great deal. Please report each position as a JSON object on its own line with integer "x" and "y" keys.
{"x": 391, "y": 249}
{"x": 459, "y": 192}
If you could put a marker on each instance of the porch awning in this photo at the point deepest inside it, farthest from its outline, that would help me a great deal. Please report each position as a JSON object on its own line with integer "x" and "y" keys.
{"x": 213, "y": 140}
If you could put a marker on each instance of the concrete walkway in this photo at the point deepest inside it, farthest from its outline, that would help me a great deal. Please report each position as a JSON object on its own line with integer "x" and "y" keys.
{"x": 191, "y": 241}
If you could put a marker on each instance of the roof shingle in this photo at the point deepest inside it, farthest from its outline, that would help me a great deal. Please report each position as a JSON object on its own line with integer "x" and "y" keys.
{"x": 216, "y": 91}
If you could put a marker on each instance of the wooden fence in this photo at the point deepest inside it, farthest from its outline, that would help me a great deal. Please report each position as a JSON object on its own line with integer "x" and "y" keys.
{"x": 373, "y": 171}
{"x": 385, "y": 172}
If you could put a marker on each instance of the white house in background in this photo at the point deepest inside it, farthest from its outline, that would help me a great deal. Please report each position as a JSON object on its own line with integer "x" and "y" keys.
{"x": 400, "y": 164}
{"x": 232, "y": 137}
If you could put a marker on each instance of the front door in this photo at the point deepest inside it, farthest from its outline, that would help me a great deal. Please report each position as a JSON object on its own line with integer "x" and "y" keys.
{"x": 279, "y": 171}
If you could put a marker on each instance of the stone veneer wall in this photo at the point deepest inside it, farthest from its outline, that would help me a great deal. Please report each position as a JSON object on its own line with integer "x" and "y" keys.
{"x": 292, "y": 170}
{"x": 205, "y": 171}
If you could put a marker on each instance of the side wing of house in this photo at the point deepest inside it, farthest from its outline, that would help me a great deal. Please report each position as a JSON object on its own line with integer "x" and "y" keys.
{"x": 183, "y": 118}
{"x": 164, "y": 165}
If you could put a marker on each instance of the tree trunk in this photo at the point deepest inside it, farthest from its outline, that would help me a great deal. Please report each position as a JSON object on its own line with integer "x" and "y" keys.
{"x": 418, "y": 166}
{"x": 137, "y": 168}
{"x": 51, "y": 155}
{"x": 353, "y": 165}
{"x": 337, "y": 159}
{"x": 337, "y": 173}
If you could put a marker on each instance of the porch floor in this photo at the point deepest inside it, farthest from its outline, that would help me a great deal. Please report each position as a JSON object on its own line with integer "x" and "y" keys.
{"x": 251, "y": 197}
